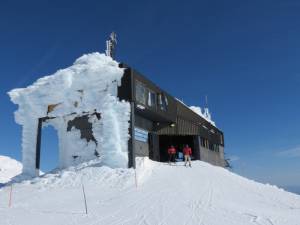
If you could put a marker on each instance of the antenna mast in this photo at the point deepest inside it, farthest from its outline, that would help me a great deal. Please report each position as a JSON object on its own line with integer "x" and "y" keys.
{"x": 206, "y": 101}
{"x": 111, "y": 45}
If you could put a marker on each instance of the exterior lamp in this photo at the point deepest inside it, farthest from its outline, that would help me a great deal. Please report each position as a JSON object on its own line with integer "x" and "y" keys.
{"x": 172, "y": 125}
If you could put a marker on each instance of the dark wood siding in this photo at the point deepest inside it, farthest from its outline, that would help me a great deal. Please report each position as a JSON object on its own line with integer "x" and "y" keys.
{"x": 156, "y": 114}
{"x": 154, "y": 152}
{"x": 190, "y": 123}
{"x": 124, "y": 91}
{"x": 143, "y": 123}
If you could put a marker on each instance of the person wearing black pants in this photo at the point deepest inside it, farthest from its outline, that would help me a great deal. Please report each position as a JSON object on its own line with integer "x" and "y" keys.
{"x": 172, "y": 154}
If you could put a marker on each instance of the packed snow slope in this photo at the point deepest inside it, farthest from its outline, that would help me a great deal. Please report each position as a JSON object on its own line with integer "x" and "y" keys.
{"x": 174, "y": 195}
{"x": 9, "y": 168}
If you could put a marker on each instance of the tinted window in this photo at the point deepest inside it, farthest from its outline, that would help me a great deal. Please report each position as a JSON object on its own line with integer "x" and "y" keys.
{"x": 140, "y": 93}
{"x": 151, "y": 99}
{"x": 163, "y": 102}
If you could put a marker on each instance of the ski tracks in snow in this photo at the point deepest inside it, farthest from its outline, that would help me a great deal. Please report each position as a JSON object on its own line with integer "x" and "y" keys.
{"x": 201, "y": 206}
{"x": 259, "y": 220}
{"x": 172, "y": 195}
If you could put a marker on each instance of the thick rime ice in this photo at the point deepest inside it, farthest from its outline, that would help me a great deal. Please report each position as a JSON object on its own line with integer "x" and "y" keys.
{"x": 205, "y": 113}
{"x": 87, "y": 89}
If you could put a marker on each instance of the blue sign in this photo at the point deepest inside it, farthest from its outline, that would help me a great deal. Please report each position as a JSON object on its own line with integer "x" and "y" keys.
{"x": 140, "y": 134}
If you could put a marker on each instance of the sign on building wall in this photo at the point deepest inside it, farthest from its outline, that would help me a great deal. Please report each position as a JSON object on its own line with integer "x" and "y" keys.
{"x": 140, "y": 134}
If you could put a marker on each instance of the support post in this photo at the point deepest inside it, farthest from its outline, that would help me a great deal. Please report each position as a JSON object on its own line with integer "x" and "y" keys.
{"x": 38, "y": 147}
{"x": 131, "y": 142}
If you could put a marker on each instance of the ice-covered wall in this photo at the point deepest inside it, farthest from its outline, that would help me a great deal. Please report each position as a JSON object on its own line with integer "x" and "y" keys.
{"x": 88, "y": 86}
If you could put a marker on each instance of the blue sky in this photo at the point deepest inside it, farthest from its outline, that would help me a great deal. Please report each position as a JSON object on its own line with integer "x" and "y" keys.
{"x": 243, "y": 54}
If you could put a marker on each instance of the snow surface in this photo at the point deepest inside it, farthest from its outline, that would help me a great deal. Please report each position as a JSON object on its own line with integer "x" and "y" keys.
{"x": 165, "y": 195}
{"x": 9, "y": 168}
{"x": 88, "y": 86}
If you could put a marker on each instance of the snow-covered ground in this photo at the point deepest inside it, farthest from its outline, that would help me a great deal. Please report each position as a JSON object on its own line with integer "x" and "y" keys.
{"x": 9, "y": 168}
{"x": 203, "y": 194}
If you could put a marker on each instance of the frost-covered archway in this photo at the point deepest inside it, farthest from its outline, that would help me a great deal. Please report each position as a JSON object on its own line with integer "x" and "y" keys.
{"x": 87, "y": 90}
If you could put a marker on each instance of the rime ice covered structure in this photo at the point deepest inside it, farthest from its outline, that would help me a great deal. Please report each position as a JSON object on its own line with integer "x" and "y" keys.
{"x": 81, "y": 103}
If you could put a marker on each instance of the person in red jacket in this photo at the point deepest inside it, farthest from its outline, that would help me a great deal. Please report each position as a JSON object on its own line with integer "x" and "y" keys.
{"x": 172, "y": 153}
{"x": 187, "y": 152}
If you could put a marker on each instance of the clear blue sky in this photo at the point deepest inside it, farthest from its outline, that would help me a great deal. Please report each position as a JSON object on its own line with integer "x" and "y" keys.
{"x": 245, "y": 55}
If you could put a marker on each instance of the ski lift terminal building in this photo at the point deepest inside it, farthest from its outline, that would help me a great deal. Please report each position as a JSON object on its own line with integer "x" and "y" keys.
{"x": 159, "y": 120}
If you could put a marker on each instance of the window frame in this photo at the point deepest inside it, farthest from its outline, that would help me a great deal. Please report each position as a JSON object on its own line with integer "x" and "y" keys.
{"x": 162, "y": 102}
{"x": 138, "y": 87}
{"x": 152, "y": 101}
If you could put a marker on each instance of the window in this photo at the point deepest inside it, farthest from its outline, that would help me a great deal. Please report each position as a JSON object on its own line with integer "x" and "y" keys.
{"x": 163, "y": 102}
{"x": 140, "y": 93}
{"x": 211, "y": 146}
{"x": 216, "y": 148}
{"x": 151, "y": 99}
{"x": 204, "y": 142}
{"x": 222, "y": 139}
{"x": 207, "y": 144}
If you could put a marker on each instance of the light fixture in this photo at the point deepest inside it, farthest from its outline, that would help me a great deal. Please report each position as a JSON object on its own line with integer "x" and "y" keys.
{"x": 172, "y": 125}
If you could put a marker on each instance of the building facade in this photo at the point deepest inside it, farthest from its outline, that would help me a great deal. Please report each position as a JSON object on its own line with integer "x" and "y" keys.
{"x": 159, "y": 120}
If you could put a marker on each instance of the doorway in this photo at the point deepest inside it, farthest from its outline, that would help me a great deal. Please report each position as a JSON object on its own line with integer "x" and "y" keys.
{"x": 178, "y": 141}
{"x": 49, "y": 155}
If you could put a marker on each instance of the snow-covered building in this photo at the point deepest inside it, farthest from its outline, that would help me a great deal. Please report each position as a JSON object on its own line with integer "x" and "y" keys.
{"x": 101, "y": 108}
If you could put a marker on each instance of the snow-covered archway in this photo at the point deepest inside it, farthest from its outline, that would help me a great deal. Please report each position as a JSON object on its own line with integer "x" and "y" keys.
{"x": 86, "y": 89}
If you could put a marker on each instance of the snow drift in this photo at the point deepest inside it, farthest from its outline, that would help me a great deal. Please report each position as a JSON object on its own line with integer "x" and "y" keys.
{"x": 87, "y": 88}
{"x": 9, "y": 168}
{"x": 203, "y": 194}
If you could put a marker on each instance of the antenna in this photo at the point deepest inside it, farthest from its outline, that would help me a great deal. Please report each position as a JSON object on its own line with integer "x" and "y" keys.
{"x": 206, "y": 101}
{"x": 111, "y": 45}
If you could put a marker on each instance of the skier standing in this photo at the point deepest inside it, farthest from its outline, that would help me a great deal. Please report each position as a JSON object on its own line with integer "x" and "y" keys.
{"x": 172, "y": 153}
{"x": 187, "y": 151}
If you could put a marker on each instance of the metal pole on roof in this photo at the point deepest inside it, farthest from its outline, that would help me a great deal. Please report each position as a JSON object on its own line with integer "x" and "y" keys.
{"x": 111, "y": 45}
{"x": 206, "y": 101}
